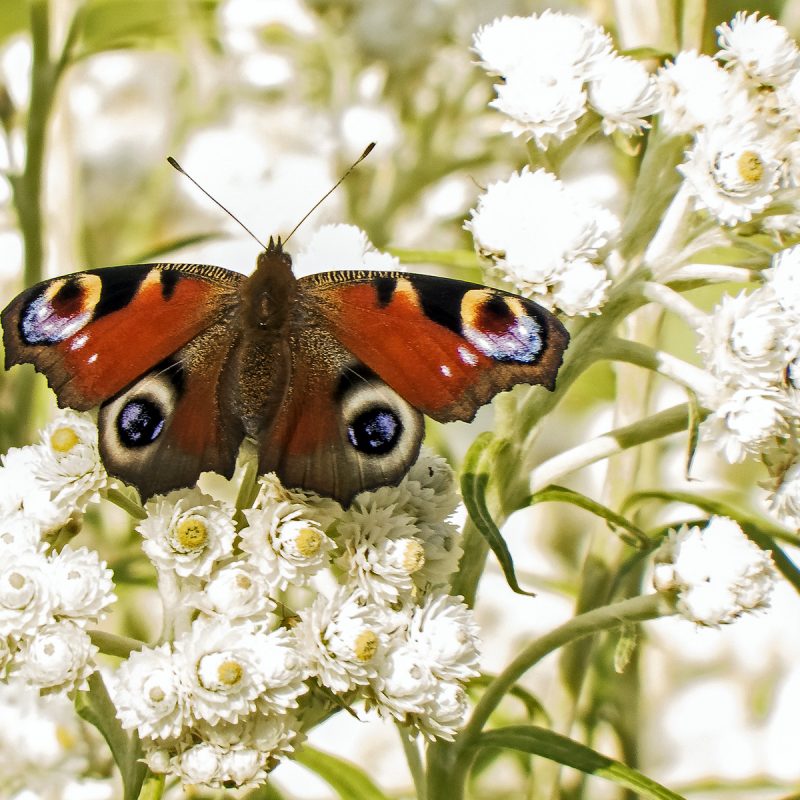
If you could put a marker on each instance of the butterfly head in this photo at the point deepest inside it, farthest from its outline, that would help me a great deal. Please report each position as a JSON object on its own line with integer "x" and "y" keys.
{"x": 269, "y": 292}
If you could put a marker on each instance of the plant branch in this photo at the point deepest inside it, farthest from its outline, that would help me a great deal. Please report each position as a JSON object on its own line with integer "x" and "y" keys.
{"x": 674, "y": 302}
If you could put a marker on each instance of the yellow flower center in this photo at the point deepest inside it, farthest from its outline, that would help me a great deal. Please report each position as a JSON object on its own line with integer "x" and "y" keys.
{"x": 243, "y": 582}
{"x": 192, "y": 533}
{"x": 230, "y": 672}
{"x": 413, "y": 557}
{"x": 16, "y": 580}
{"x": 366, "y": 645}
{"x": 308, "y": 541}
{"x": 157, "y": 694}
{"x": 62, "y": 440}
{"x": 750, "y": 166}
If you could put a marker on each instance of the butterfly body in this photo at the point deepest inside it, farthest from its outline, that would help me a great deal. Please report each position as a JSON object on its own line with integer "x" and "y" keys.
{"x": 329, "y": 374}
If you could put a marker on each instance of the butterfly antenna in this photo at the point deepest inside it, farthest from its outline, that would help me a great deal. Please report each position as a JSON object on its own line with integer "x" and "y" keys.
{"x": 369, "y": 148}
{"x": 177, "y": 166}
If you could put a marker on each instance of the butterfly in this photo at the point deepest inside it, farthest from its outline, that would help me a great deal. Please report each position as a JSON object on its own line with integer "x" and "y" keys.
{"x": 329, "y": 374}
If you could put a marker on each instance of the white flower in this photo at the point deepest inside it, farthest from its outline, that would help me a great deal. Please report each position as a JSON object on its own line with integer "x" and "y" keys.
{"x": 445, "y": 633}
{"x": 344, "y": 639}
{"x": 747, "y": 339}
{"x": 198, "y": 764}
{"x": 70, "y": 465}
{"x": 534, "y": 228}
{"x": 581, "y": 288}
{"x": 21, "y": 491}
{"x": 284, "y": 545}
{"x": 82, "y": 583}
{"x": 624, "y": 93}
{"x": 27, "y": 595}
{"x": 732, "y": 173}
{"x": 235, "y": 591}
{"x": 746, "y": 421}
{"x": 551, "y": 42}
{"x": 58, "y": 658}
{"x": 148, "y": 693}
{"x": 446, "y": 712}
{"x": 187, "y": 531}
{"x": 342, "y": 247}
{"x": 785, "y": 498}
{"x": 430, "y": 488}
{"x": 760, "y": 47}
{"x": 404, "y": 683}
{"x": 222, "y": 667}
{"x": 545, "y": 107}
{"x": 284, "y": 670}
{"x": 716, "y": 571}
{"x": 19, "y": 532}
{"x": 696, "y": 93}
{"x": 442, "y": 551}
{"x": 783, "y": 277}
{"x": 380, "y": 547}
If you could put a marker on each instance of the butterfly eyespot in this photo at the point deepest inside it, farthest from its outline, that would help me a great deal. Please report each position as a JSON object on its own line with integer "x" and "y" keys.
{"x": 375, "y": 431}
{"x": 139, "y": 423}
{"x": 59, "y": 310}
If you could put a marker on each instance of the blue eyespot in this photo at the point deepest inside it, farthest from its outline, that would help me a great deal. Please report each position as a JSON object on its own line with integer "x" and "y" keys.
{"x": 139, "y": 423}
{"x": 375, "y": 431}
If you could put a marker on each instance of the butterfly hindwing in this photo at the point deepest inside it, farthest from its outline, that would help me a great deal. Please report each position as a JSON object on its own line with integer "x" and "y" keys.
{"x": 93, "y": 333}
{"x": 445, "y": 346}
{"x": 176, "y": 421}
{"x": 340, "y": 429}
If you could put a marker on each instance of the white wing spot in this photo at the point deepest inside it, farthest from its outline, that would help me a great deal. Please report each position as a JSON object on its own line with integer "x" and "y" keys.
{"x": 467, "y": 356}
{"x": 446, "y": 371}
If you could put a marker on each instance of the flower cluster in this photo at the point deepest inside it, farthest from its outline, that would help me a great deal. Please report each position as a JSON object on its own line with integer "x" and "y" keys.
{"x": 741, "y": 108}
{"x": 370, "y": 620}
{"x": 715, "y": 572}
{"x": 750, "y": 344}
{"x": 554, "y": 68}
{"x": 47, "y": 486}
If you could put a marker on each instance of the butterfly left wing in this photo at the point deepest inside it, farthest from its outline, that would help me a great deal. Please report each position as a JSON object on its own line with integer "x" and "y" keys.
{"x": 445, "y": 346}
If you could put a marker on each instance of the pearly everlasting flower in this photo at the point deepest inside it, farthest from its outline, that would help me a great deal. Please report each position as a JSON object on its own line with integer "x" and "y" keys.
{"x": 149, "y": 695}
{"x": 222, "y": 667}
{"x": 430, "y": 488}
{"x": 198, "y": 764}
{"x": 746, "y": 421}
{"x": 70, "y": 466}
{"x": 404, "y": 683}
{"x": 446, "y": 713}
{"x": 697, "y": 92}
{"x": 82, "y": 583}
{"x": 732, "y": 173}
{"x": 233, "y": 592}
{"x": 19, "y": 532}
{"x": 22, "y": 492}
{"x": 716, "y": 572}
{"x": 380, "y": 547}
{"x": 445, "y": 633}
{"x": 748, "y": 339}
{"x": 581, "y": 288}
{"x": 623, "y": 93}
{"x": 783, "y": 277}
{"x": 784, "y": 500}
{"x": 187, "y": 531}
{"x": 284, "y": 545}
{"x": 283, "y": 670}
{"x": 57, "y": 658}
{"x": 761, "y": 48}
{"x": 441, "y": 550}
{"x": 344, "y": 638}
{"x": 27, "y": 596}
{"x": 535, "y": 229}
{"x": 342, "y": 247}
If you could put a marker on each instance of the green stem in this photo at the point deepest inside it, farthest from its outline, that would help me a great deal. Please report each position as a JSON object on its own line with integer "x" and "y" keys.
{"x": 414, "y": 760}
{"x": 113, "y": 645}
{"x": 153, "y": 787}
{"x": 122, "y": 500}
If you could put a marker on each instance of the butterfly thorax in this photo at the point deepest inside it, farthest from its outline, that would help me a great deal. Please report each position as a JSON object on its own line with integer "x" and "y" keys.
{"x": 268, "y": 294}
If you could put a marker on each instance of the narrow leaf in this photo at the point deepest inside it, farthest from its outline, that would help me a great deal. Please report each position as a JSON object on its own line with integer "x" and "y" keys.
{"x": 695, "y": 418}
{"x": 157, "y": 251}
{"x": 96, "y": 708}
{"x": 474, "y": 481}
{"x": 532, "y": 705}
{"x": 558, "y": 748}
{"x": 265, "y": 792}
{"x": 561, "y": 494}
{"x": 345, "y": 778}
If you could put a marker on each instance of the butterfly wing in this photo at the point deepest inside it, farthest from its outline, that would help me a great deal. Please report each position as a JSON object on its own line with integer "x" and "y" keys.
{"x": 150, "y": 343}
{"x": 445, "y": 346}
{"x": 370, "y": 351}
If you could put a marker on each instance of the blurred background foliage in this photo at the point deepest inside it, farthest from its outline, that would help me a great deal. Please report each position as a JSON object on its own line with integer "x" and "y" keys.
{"x": 266, "y": 102}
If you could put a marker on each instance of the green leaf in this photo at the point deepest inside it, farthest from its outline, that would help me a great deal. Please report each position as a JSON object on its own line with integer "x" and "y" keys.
{"x": 265, "y": 792}
{"x": 560, "y": 494}
{"x": 695, "y": 418}
{"x": 759, "y": 531}
{"x": 543, "y": 742}
{"x": 532, "y": 705}
{"x": 156, "y": 252}
{"x": 96, "y": 708}
{"x": 474, "y": 480}
{"x": 14, "y": 17}
{"x": 646, "y": 53}
{"x": 345, "y": 778}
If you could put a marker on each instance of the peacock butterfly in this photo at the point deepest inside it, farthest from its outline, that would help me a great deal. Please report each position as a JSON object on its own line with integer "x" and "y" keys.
{"x": 330, "y": 374}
